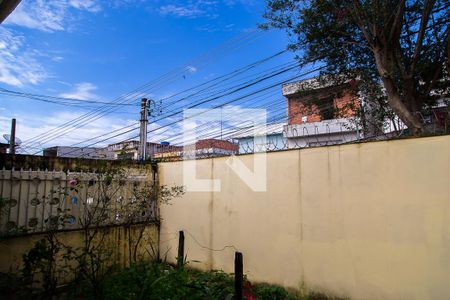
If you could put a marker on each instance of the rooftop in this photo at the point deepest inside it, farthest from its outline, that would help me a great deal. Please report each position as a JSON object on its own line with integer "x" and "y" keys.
{"x": 311, "y": 84}
{"x": 215, "y": 143}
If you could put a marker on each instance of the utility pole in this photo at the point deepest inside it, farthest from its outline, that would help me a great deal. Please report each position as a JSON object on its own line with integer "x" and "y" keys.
{"x": 149, "y": 108}
{"x": 143, "y": 130}
{"x": 12, "y": 138}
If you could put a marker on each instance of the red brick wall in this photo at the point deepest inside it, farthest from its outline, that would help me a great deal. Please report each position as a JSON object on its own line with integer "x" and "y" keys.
{"x": 346, "y": 106}
{"x": 297, "y": 110}
{"x": 219, "y": 144}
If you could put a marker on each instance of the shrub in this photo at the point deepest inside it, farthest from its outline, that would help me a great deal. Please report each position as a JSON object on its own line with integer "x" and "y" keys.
{"x": 272, "y": 292}
{"x": 163, "y": 281}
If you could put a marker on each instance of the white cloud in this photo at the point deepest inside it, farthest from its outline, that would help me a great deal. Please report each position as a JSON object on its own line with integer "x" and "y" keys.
{"x": 82, "y": 91}
{"x": 37, "y": 124}
{"x": 88, "y": 5}
{"x": 18, "y": 66}
{"x": 64, "y": 83}
{"x": 245, "y": 3}
{"x": 216, "y": 27}
{"x": 121, "y": 3}
{"x": 49, "y": 15}
{"x": 57, "y": 58}
{"x": 191, "y": 69}
{"x": 199, "y": 8}
{"x": 165, "y": 133}
{"x": 191, "y": 10}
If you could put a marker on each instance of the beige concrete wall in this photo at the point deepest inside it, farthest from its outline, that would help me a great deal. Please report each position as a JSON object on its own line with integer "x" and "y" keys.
{"x": 365, "y": 221}
{"x": 29, "y": 197}
{"x": 119, "y": 240}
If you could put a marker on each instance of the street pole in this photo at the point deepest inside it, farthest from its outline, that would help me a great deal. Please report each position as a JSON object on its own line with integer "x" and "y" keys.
{"x": 12, "y": 138}
{"x": 143, "y": 130}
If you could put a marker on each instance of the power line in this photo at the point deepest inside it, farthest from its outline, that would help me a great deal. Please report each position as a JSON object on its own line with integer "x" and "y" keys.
{"x": 98, "y": 113}
{"x": 58, "y": 100}
{"x": 225, "y": 77}
{"x": 217, "y": 106}
{"x": 230, "y": 101}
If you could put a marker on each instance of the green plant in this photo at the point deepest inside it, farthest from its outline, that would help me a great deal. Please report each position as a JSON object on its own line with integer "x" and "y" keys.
{"x": 13, "y": 287}
{"x": 97, "y": 256}
{"x": 163, "y": 281}
{"x": 397, "y": 49}
{"x": 44, "y": 265}
{"x": 272, "y": 292}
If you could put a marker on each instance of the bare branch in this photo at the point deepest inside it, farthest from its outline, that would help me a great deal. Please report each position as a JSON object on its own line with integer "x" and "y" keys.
{"x": 428, "y": 6}
{"x": 356, "y": 16}
{"x": 397, "y": 24}
{"x": 448, "y": 50}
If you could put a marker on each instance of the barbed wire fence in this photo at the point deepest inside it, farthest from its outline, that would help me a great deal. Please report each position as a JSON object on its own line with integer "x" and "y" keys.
{"x": 339, "y": 131}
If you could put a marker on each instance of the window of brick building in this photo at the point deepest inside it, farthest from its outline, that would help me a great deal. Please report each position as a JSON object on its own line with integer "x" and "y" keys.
{"x": 326, "y": 108}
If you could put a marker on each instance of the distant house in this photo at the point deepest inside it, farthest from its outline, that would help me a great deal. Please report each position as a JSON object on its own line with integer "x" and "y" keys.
{"x": 78, "y": 152}
{"x": 125, "y": 150}
{"x": 260, "y": 138}
{"x": 201, "y": 149}
{"x": 320, "y": 114}
{"x": 130, "y": 149}
{"x": 212, "y": 147}
{"x": 171, "y": 152}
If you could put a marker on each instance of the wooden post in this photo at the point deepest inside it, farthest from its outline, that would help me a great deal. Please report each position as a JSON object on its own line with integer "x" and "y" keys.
{"x": 238, "y": 275}
{"x": 180, "y": 258}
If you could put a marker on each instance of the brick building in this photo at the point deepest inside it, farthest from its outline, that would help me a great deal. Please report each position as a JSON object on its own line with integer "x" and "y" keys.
{"x": 320, "y": 113}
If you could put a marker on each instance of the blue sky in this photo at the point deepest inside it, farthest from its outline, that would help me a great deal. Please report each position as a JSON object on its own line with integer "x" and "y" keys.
{"x": 98, "y": 50}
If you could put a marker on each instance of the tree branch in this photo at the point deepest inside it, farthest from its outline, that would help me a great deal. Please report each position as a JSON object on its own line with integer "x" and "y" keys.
{"x": 428, "y": 6}
{"x": 448, "y": 50}
{"x": 355, "y": 13}
{"x": 396, "y": 25}
{"x": 400, "y": 108}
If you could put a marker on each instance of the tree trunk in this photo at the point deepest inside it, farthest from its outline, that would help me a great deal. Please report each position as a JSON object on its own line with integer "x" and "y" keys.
{"x": 384, "y": 58}
{"x": 396, "y": 103}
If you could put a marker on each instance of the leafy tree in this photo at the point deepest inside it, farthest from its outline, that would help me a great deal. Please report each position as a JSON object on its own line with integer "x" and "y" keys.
{"x": 401, "y": 46}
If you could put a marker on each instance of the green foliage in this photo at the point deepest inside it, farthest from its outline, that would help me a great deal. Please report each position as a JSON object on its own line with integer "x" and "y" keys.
{"x": 273, "y": 292}
{"x": 165, "y": 194}
{"x": 12, "y": 286}
{"x": 163, "y": 281}
{"x": 3, "y": 202}
{"x": 91, "y": 262}
{"x": 44, "y": 264}
{"x": 401, "y": 46}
